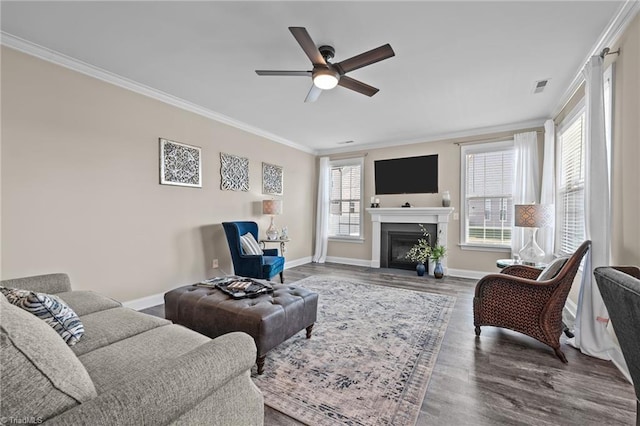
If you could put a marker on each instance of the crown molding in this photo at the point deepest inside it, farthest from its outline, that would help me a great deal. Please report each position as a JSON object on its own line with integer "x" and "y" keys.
{"x": 530, "y": 124}
{"x": 610, "y": 35}
{"x": 49, "y": 55}
{"x": 612, "y": 32}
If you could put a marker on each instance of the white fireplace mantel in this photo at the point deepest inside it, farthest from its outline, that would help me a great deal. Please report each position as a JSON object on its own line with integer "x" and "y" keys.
{"x": 424, "y": 215}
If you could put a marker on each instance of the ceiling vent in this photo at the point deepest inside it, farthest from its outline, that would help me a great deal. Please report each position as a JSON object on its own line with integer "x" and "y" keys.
{"x": 540, "y": 85}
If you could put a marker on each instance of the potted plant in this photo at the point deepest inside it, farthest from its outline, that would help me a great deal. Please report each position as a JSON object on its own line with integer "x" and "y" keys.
{"x": 437, "y": 253}
{"x": 420, "y": 252}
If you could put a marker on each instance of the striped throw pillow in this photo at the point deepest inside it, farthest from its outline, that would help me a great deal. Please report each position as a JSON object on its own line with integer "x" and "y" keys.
{"x": 50, "y": 309}
{"x": 552, "y": 269}
{"x": 249, "y": 244}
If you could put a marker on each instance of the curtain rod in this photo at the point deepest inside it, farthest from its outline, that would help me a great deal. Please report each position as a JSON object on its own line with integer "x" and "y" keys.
{"x": 606, "y": 51}
{"x": 496, "y": 139}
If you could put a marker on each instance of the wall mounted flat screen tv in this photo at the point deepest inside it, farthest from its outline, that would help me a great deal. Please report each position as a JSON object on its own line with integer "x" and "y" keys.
{"x": 411, "y": 175}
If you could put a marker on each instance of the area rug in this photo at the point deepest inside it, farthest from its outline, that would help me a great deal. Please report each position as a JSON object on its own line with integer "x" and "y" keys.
{"x": 368, "y": 361}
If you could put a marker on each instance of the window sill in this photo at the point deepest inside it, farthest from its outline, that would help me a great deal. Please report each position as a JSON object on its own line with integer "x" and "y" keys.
{"x": 479, "y": 247}
{"x": 355, "y": 240}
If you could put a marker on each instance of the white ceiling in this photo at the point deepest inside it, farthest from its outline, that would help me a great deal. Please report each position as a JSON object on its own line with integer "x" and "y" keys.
{"x": 459, "y": 66}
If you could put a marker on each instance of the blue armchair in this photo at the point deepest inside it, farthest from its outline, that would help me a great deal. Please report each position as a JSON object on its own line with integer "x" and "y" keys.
{"x": 255, "y": 266}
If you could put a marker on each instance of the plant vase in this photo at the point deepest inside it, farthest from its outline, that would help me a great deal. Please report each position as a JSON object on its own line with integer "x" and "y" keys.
{"x": 438, "y": 252}
{"x": 438, "y": 272}
{"x": 420, "y": 269}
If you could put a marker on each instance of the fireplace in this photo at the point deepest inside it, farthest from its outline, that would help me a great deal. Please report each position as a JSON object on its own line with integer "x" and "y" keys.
{"x": 438, "y": 216}
{"x": 396, "y": 240}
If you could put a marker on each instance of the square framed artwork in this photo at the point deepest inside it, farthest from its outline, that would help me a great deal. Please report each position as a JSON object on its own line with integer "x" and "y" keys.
{"x": 234, "y": 173}
{"x": 180, "y": 164}
{"x": 272, "y": 179}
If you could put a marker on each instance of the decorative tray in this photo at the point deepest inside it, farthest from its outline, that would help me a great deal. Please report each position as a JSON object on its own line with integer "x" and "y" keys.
{"x": 237, "y": 287}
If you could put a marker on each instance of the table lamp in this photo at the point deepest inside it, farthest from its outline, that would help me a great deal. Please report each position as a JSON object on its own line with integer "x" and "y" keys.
{"x": 272, "y": 207}
{"x": 533, "y": 216}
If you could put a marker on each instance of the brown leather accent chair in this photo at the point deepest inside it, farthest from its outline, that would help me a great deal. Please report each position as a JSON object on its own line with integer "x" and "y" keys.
{"x": 514, "y": 299}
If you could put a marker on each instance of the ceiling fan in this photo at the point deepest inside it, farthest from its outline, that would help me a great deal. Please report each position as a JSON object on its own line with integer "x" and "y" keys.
{"x": 326, "y": 75}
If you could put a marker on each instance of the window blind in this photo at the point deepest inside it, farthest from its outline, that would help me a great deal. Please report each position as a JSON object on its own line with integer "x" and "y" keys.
{"x": 345, "y": 201}
{"x": 489, "y": 196}
{"x": 570, "y": 208}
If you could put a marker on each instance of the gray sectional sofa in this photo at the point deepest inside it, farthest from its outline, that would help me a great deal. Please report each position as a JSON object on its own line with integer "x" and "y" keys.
{"x": 128, "y": 368}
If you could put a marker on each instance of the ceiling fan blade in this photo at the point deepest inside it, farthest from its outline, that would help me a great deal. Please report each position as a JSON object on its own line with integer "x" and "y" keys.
{"x": 358, "y": 86}
{"x": 289, "y": 73}
{"x": 314, "y": 94}
{"x": 307, "y": 44}
{"x": 367, "y": 58}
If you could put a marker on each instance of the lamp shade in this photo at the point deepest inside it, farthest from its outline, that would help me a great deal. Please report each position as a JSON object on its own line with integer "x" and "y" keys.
{"x": 272, "y": 207}
{"x": 533, "y": 215}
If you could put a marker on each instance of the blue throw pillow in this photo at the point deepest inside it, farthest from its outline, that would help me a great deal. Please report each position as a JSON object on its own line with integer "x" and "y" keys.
{"x": 50, "y": 309}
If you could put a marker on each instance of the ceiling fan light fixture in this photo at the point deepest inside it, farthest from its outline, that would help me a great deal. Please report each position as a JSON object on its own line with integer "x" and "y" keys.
{"x": 327, "y": 75}
{"x": 325, "y": 79}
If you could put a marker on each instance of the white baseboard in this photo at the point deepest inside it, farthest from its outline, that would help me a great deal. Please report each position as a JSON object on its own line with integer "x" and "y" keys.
{"x": 460, "y": 273}
{"x": 349, "y": 261}
{"x": 145, "y": 302}
{"x": 297, "y": 262}
{"x": 158, "y": 299}
{"x": 464, "y": 273}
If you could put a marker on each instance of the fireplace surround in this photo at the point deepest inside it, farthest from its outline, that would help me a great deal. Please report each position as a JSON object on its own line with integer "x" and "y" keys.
{"x": 438, "y": 216}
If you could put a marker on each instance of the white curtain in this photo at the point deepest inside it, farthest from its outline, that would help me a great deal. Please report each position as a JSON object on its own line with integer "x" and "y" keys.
{"x": 526, "y": 182}
{"x": 322, "y": 214}
{"x": 546, "y": 236}
{"x": 591, "y": 335}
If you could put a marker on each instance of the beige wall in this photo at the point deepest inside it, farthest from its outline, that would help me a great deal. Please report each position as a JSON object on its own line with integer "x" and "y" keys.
{"x": 626, "y": 149}
{"x": 448, "y": 180}
{"x": 80, "y": 191}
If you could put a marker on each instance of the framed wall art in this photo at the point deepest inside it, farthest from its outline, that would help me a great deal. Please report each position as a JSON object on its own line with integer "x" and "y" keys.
{"x": 271, "y": 179}
{"x": 234, "y": 173}
{"x": 180, "y": 164}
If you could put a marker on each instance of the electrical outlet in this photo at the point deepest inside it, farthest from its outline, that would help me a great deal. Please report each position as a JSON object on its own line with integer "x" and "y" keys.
{"x": 456, "y": 216}
{"x": 214, "y": 263}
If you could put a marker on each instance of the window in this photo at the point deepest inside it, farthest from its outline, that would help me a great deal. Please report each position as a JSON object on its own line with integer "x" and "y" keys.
{"x": 487, "y": 194}
{"x": 345, "y": 211}
{"x": 571, "y": 154}
{"x": 570, "y": 192}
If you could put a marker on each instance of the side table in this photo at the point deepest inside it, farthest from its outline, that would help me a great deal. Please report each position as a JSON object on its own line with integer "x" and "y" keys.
{"x": 503, "y": 263}
{"x": 283, "y": 247}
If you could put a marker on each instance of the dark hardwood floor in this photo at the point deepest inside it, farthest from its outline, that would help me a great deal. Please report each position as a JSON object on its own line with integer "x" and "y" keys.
{"x": 502, "y": 377}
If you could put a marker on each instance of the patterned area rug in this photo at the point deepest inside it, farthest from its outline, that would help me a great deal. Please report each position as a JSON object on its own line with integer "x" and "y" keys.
{"x": 368, "y": 361}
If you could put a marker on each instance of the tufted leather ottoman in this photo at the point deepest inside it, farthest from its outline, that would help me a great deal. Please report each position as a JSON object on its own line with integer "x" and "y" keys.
{"x": 270, "y": 318}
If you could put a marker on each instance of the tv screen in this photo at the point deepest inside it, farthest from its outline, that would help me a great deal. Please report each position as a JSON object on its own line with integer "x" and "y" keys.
{"x": 411, "y": 175}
